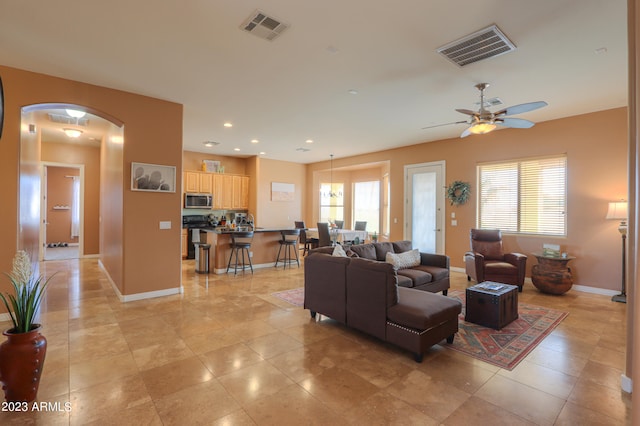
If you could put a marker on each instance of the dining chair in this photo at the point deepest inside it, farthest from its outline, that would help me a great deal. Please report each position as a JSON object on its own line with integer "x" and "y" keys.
{"x": 361, "y": 225}
{"x": 339, "y": 224}
{"x": 323, "y": 235}
{"x": 306, "y": 243}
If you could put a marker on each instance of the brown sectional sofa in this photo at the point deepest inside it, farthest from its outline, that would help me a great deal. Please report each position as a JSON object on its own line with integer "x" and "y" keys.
{"x": 365, "y": 294}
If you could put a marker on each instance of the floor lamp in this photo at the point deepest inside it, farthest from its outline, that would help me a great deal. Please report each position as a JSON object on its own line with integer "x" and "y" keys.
{"x": 618, "y": 210}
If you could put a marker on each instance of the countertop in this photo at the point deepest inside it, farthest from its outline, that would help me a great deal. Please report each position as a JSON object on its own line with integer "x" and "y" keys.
{"x": 225, "y": 230}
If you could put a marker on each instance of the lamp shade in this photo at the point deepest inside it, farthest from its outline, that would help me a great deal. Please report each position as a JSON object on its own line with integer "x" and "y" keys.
{"x": 482, "y": 128}
{"x": 617, "y": 210}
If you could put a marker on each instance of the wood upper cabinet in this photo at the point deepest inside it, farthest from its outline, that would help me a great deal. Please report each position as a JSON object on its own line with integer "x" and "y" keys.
{"x": 229, "y": 191}
{"x": 217, "y": 191}
{"x": 191, "y": 181}
{"x": 206, "y": 183}
{"x": 240, "y": 192}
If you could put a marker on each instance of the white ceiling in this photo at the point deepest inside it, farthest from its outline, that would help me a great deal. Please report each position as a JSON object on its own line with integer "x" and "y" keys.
{"x": 297, "y": 87}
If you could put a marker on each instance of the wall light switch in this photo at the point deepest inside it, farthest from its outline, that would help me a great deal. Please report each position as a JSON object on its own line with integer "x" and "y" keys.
{"x": 453, "y": 215}
{"x": 395, "y": 220}
{"x": 165, "y": 224}
{"x": 454, "y": 222}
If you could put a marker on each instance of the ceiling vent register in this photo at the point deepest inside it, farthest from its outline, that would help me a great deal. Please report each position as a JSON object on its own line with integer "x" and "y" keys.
{"x": 484, "y": 44}
{"x": 263, "y": 26}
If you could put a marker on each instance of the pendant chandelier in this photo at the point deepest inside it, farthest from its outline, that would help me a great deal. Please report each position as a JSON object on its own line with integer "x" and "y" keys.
{"x": 331, "y": 193}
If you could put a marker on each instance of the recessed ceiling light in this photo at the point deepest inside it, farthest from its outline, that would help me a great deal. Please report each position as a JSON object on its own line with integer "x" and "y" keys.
{"x": 254, "y": 141}
{"x": 236, "y": 149}
{"x": 209, "y": 144}
{"x": 353, "y": 91}
{"x": 303, "y": 149}
{"x": 263, "y": 153}
{"x": 332, "y": 49}
{"x": 601, "y": 50}
{"x": 309, "y": 141}
{"x": 227, "y": 124}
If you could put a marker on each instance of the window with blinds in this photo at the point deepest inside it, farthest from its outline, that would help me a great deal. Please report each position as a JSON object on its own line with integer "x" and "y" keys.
{"x": 527, "y": 196}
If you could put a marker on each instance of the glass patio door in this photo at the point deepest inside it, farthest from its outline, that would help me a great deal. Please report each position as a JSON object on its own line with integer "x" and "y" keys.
{"x": 424, "y": 215}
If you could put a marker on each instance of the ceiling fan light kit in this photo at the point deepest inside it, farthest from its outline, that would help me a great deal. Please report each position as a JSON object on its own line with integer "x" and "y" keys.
{"x": 484, "y": 121}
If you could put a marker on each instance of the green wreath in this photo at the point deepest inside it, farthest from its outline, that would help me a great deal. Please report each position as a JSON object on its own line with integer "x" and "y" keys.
{"x": 458, "y": 192}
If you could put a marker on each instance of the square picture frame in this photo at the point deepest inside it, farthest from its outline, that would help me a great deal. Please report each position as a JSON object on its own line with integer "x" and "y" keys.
{"x": 153, "y": 177}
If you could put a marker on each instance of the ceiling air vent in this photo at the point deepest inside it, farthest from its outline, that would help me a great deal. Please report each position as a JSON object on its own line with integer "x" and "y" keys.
{"x": 475, "y": 47}
{"x": 65, "y": 119}
{"x": 263, "y": 26}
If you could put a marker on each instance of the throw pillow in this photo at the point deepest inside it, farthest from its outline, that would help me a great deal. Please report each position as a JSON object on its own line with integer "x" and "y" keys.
{"x": 405, "y": 260}
{"x": 339, "y": 251}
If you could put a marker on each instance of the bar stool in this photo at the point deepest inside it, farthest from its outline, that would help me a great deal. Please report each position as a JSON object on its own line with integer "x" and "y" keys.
{"x": 240, "y": 241}
{"x": 289, "y": 241}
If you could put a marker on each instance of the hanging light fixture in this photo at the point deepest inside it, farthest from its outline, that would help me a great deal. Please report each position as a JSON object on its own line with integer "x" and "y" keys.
{"x": 75, "y": 113}
{"x": 72, "y": 133}
{"x": 331, "y": 193}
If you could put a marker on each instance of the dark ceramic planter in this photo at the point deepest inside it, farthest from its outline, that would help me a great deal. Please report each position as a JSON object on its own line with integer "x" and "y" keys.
{"x": 21, "y": 361}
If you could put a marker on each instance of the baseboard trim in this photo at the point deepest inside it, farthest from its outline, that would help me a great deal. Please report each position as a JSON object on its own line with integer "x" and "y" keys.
{"x": 139, "y": 296}
{"x": 626, "y": 384}
{"x": 576, "y": 287}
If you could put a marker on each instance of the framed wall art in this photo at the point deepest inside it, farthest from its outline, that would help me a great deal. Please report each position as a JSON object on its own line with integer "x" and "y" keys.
{"x": 153, "y": 177}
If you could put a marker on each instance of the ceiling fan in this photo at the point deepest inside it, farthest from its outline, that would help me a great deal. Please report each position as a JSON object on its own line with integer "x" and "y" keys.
{"x": 484, "y": 121}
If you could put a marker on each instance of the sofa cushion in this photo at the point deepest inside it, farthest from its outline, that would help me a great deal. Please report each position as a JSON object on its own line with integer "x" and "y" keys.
{"x": 367, "y": 251}
{"x": 339, "y": 251}
{"x": 382, "y": 249}
{"x": 435, "y": 272}
{"x": 402, "y": 246}
{"x": 404, "y": 281}
{"x": 417, "y": 276}
{"x": 405, "y": 260}
{"x": 422, "y": 310}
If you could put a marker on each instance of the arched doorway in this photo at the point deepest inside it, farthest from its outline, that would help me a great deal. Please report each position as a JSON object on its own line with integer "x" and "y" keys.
{"x": 63, "y": 138}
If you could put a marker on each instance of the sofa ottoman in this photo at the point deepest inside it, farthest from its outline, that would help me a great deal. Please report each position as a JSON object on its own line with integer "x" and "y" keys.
{"x": 421, "y": 319}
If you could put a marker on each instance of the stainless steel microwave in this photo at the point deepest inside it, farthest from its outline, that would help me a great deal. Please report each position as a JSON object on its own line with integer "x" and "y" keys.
{"x": 198, "y": 201}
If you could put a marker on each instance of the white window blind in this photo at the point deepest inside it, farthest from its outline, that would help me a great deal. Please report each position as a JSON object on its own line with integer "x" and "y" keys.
{"x": 527, "y": 196}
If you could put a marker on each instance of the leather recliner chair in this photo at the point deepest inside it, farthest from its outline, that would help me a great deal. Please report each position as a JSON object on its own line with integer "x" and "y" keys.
{"x": 487, "y": 262}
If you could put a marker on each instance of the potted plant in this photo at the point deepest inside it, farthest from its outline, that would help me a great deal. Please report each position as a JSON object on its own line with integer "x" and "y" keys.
{"x": 22, "y": 354}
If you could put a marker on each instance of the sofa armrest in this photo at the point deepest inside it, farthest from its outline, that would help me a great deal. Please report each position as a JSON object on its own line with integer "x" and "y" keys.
{"x": 430, "y": 259}
{"x": 371, "y": 289}
{"x": 325, "y": 287}
{"x": 518, "y": 260}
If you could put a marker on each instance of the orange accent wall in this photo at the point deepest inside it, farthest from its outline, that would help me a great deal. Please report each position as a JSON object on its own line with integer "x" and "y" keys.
{"x": 90, "y": 157}
{"x": 596, "y": 148}
{"x": 138, "y": 256}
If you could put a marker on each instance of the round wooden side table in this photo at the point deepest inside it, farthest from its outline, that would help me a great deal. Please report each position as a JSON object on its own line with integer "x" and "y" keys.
{"x": 551, "y": 274}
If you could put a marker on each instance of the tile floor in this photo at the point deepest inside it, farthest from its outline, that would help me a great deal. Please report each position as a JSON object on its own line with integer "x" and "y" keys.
{"x": 226, "y": 352}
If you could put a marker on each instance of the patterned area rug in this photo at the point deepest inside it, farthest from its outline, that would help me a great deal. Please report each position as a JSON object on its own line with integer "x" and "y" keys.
{"x": 507, "y": 347}
{"x": 503, "y": 348}
{"x": 294, "y": 296}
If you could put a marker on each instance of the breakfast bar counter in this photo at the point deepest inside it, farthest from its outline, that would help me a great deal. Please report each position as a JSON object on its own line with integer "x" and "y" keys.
{"x": 264, "y": 247}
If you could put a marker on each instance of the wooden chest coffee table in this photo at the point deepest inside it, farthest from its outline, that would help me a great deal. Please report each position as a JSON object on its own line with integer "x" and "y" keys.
{"x": 491, "y": 304}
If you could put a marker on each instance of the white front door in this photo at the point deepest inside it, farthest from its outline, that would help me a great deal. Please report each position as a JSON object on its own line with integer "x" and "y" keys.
{"x": 424, "y": 213}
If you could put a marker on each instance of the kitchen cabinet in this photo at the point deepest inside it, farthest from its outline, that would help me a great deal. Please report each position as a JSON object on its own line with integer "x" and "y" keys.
{"x": 198, "y": 182}
{"x": 206, "y": 183}
{"x": 184, "y": 240}
{"x": 191, "y": 181}
{"x": 229, "y": 191}
{"x": 241, "y": 192}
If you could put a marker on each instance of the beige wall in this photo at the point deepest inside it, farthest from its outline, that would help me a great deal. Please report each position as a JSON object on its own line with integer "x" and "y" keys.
{"x": 137, "y": 254}
{"x": 232, "y": 165}
{"x": 596, "y": 147}
{"x": 278, "y": 213}
{"x": 89, "y": 156}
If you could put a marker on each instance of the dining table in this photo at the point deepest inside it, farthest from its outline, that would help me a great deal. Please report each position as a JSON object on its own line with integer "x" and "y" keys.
{"x": 340, "y": 235}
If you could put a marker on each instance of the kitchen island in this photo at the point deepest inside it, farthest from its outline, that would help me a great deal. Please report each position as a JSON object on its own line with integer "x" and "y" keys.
{"x": 264, "y": 247}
